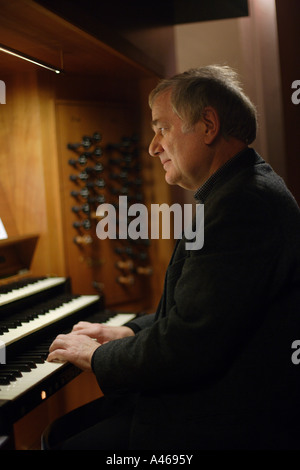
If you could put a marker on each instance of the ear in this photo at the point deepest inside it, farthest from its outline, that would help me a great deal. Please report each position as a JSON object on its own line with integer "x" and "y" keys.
{"x": 211, "y": 120}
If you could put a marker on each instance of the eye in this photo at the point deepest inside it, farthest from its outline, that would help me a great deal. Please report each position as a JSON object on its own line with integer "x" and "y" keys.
{"x": 162, "y": 130}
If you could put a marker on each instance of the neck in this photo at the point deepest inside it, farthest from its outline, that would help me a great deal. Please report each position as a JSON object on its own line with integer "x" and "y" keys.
{"x": 218, "y": 154}
{"x": 224, "y": 150}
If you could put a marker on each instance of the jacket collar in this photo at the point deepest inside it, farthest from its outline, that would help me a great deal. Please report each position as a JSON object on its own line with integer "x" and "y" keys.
{"x": 245, "y": 158}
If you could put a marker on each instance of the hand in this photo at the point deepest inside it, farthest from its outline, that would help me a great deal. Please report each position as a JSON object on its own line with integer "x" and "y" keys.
{"x": 74, "y": 348}
{"x": 101, "y": 332}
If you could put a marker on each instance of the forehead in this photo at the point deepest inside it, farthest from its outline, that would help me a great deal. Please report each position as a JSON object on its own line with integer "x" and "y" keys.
{"x": 162, "y": 109}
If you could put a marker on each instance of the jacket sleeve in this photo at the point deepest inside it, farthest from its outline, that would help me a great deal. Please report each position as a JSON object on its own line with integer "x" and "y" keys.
{"x": 141, "y": 322}
{"x": 217, "y": 298}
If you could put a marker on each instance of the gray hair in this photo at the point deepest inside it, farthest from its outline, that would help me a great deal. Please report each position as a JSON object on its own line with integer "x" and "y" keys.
{"x": 216, "y": 86}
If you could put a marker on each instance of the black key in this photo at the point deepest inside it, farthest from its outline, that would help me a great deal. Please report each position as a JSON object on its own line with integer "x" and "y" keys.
{"x": 36, "y": 358}
{"x": 9, "y": 376}
{"x": 4, "y": 381}
{"x": 24, "y": 366}
{"x": 13, "y": 370}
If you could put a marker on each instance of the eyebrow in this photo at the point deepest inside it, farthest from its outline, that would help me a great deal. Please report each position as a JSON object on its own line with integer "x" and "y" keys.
{"x": 157, "y": 122}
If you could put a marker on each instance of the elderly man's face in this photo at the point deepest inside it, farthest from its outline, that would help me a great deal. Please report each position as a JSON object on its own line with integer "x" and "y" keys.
{"x": 184, "y": 155}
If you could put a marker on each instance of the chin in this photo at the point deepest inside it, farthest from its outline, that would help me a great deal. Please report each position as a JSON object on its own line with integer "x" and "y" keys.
{"x": 170, "y": 180}
{"x": 182, "y": 184}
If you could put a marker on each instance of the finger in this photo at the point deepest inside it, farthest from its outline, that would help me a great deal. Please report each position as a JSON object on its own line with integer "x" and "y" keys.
{"x": 86, "y": 332}
{"x": 57, "y": 343}
{"x": 81, "y": 325}
{"x": 57, "y": 356}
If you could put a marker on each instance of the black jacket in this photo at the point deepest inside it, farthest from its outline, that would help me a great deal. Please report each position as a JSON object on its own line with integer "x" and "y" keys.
{"x": 212, "y": 368}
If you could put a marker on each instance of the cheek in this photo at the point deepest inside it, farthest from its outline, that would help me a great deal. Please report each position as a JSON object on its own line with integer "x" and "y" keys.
{"x": 189, "y": 161}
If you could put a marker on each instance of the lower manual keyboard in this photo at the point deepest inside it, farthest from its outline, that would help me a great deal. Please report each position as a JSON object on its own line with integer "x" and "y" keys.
{"x": 41, "y": 371}
{"x": 28, "y": 380}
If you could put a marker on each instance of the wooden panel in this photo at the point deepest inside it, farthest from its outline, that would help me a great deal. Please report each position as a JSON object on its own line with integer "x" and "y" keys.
{"x": 28, "y": 430}
{"x": 27, "y": 133}
{"x": 53, "y": 253}
{"x": 35, "y": 31}
{"x": 6, "y": 214}
{"x": 16, "y": 256}
{"x": 21, "y": 162}
{"x": 94, "y": 263}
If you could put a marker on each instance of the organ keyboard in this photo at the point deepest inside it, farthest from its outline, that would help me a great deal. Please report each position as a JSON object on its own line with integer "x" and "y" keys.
{"x": 32, "y": 313}
{"x": 20, "y": 289}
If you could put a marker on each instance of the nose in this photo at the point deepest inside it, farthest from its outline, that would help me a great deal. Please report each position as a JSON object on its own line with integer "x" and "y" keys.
{"x": 155, "y": 147}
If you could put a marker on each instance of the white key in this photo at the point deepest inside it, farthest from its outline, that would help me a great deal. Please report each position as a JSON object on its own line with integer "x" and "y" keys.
{"x": 120, "y": 319}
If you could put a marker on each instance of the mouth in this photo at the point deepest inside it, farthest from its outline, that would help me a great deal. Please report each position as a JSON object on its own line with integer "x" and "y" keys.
{"x": 164, "y": 162}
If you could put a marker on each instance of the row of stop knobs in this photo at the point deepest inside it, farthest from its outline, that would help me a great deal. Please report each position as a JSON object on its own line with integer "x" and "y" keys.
{"x": 127, "y": 180}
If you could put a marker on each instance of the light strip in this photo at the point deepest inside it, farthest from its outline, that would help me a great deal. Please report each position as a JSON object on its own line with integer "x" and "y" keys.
{"x": 20, "y": 55}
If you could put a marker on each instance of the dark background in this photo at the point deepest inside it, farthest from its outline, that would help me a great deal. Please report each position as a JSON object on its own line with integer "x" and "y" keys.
{"x": 127, "y": 14}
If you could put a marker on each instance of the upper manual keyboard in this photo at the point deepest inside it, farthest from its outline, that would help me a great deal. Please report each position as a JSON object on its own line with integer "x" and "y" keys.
{"x": 20, "y": 290}
{"x": 18, "y": 326}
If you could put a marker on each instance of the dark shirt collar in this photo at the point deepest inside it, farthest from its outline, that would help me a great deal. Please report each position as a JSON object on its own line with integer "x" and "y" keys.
{"x": 229, "y": 167}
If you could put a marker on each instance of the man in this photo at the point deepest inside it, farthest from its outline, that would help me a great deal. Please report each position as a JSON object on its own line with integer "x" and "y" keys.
{"x": 212, "y": 368}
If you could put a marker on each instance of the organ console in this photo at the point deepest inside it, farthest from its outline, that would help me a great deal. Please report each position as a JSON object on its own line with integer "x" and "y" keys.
{"x": 32, "y": 312}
